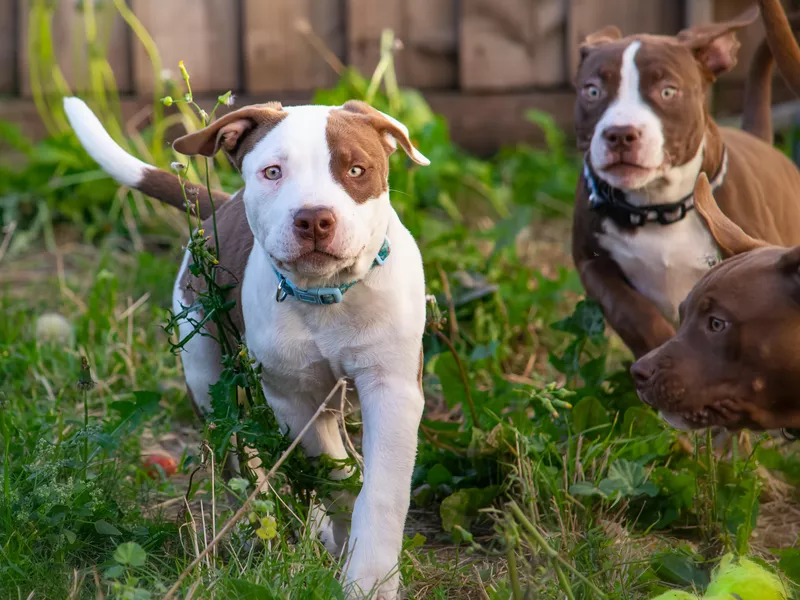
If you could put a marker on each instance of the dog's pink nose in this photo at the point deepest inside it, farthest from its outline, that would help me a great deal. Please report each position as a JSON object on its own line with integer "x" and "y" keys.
{"x": 621, "y": 137}
{"x": 642, "y": 370}
{"x": 314, "y": 224}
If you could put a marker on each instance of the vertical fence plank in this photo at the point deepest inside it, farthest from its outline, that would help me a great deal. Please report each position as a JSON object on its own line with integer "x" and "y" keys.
{"x": 7, "y": 47}
{"x": 631, "y": 16}
{"x": 512, "y": 44}
{"x": 427, "y": 28}
{"x": 278, "y": 55}
{"x": 202, "y": 33}
{"x": 69, "y": 44}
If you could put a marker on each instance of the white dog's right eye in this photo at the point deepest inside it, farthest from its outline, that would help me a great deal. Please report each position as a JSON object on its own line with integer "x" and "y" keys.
{"x": 272, "y": 173}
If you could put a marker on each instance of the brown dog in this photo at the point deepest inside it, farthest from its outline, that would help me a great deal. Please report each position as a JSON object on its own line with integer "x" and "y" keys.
{"x": 735, "y": 361}
{"x": 642, "y": 119}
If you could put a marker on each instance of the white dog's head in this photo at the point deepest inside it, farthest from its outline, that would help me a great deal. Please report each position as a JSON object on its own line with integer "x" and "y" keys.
{"x": 316, "y": 181}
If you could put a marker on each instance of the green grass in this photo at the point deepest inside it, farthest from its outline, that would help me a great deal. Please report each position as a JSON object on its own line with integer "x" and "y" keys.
{"x": 539, "y": 473}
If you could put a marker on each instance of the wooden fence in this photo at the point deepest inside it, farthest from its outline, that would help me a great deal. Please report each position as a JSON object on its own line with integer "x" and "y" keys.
{"x": 480, "y": 62}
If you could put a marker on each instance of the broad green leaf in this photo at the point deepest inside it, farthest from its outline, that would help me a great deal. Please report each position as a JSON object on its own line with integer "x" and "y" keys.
{"x": 450, "y": 378}
{"x": 589, "y": 414}
{"x": 438, "y": 474}
{"x": 679, "y": 568}
{"x": 790, "y": 563}
{"x": 584, "y": 488}
{"x": 106, "y": 528}
{"x": 131, "y": 554}
{"x": 627, "y": 478}
{"x": 237, "y": 484}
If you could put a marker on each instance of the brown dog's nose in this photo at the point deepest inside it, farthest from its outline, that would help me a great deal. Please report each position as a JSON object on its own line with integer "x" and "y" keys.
{"x": 621, "y": 137}
{"x": 641, "y": 371}
{"x": 314, "y": 223}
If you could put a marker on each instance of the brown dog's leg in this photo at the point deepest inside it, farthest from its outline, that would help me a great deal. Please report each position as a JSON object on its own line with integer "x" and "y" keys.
{"x": 635, "y": 319}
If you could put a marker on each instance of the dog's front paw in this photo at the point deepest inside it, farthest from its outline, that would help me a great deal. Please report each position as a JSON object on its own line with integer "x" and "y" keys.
{"x": 330, "y": 532}
{"x": 369, "y": 580}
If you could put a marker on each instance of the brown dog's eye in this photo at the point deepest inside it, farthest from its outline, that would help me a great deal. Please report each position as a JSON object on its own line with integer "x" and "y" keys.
{"x": 355, "y": 171}
{"x": 716, "y": 325}
{"x": 591, "y": 91}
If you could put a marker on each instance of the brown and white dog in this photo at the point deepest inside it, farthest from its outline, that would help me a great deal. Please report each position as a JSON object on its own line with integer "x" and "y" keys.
{"x": 319, "y": 297}
{"x": 641, "y": 116}
{"x": 735, "y": 360}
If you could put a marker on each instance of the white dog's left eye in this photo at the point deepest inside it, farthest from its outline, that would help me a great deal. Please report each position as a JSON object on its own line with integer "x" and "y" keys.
{"x": 669, "y": 92}
{"x": 356, "y": 171}
{"x": 272, "y": 173}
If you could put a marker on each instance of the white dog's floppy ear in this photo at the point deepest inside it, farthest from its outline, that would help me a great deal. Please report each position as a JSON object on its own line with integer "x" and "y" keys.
{"x": 392, "y": 129}
{"x": 228, "y": 132}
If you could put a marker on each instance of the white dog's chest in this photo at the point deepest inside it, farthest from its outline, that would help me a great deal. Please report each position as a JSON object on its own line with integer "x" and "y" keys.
{"x": 663, "y": 262}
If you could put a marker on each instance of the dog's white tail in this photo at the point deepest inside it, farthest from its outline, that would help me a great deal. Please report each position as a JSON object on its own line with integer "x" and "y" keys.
{"x": 129, "y": 170}
{"x": 126, "y": 169}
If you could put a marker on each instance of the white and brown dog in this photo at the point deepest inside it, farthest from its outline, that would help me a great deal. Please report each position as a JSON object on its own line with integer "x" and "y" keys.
{"x": 319, "y": 297}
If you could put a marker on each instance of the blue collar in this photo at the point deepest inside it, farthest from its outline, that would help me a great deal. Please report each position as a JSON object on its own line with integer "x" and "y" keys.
{"x": 327, "y": 295}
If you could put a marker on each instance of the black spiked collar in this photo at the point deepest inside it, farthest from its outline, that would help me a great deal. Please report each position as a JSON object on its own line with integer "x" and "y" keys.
{"x": 612, "y": 202}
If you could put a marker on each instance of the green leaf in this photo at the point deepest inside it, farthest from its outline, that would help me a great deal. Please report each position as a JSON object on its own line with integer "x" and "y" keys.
{"x": 114, "y": 571}
{"x": 131, "y": 554}
{"x": 106, "y": 528}
{"x": 461, "y": 508}
{"x": 71, "y": 537}
{"x": 237, "y": 484}
{"x": 589, "y": 414}
{"x": 679, "y": 486}
{"x": 450, "y": 378}
{"x": 250, "y": 591}
{"x": 586, "y": 321}
{"x": 418, "y": 541}
{"x": 584, "y": 488}
{"x": 790, "y": 563}
{"x": 628, "y": 479}
{"x": 438, "y": 475}
{"x": 679, "y": 568}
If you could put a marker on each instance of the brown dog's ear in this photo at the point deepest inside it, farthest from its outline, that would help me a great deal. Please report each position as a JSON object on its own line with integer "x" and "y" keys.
{"x": 728, "y": 235}
{"x": 602, "y": 36}
{"x": 389, "y": 127}
{"x": 715, "y": 45}
{"x": 789, "y": 262}
{"x": 227, "y": 132}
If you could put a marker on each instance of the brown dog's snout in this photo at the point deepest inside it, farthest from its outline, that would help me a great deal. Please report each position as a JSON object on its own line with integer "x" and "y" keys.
{"x": 316, "y": 224}
{"x": 621, "y": 137}
{"x": 642, "y": 370}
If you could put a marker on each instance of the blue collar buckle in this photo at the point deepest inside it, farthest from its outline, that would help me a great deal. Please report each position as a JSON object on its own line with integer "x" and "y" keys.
{"x": 325, "y": 295}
